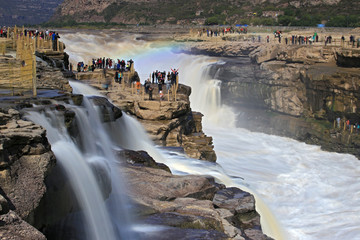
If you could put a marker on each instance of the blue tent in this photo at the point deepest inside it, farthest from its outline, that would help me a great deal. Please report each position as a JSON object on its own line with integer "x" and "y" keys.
{"x": 321, "y": 25}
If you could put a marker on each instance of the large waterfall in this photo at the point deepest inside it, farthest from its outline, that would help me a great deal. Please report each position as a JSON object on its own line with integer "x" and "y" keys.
{"x": 82, "y": 159}
{"x": 304, "y": 193}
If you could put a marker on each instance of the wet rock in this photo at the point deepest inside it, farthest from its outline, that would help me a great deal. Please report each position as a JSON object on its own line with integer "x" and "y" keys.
{"x": 108, "y": 110}
{"x": 242, "y": 212}
{"x": 141, "y": 158}
{"x": 165, "y": 233}
{"x": 174, "y": 219}
{"x": 235, "y": 200}
{"x": 229, "y": 229}
{"x": 77, "y": 99}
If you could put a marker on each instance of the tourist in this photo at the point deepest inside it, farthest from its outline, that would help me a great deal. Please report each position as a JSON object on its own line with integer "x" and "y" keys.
{"x": 168, "y": 84}
{"x": 120, "y": 77}
{"x": 147, "y": 85}
{"x": 138, "y": 86}
{"x": 150, "y": 92}
{"x": 160, "y": 83}
{"x": 55, "y": 36}
{"x": 116, "y": 77}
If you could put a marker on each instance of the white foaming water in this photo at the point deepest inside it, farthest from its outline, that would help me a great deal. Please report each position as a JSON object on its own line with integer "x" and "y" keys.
{"x": 86, "y": 90}
{"x": 313, "y": 194}
{"x": 80, "y": 159}
{"x": 305, "y": 188}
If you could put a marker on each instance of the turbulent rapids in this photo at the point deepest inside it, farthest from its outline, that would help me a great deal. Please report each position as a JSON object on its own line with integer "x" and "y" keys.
{"x": 302, "y": 192}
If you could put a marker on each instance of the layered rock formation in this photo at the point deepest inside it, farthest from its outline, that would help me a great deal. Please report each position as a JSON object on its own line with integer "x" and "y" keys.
{"x": 25, "y": 162}
{"x": 168, "y": 122}
{"x": 295, "y": 91}
{"x": 192, "y": 207}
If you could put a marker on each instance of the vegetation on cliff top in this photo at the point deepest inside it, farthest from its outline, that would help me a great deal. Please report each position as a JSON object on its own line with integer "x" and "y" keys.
{"x": 346, "y": 13}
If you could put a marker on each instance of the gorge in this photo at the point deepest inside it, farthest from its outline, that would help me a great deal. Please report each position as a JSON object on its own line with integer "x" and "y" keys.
{"x": 269, "y": 164}
{"x": 301, "y": 191}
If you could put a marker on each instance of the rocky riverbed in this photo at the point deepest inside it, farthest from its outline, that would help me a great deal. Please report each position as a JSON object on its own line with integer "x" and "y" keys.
{"x": 35, "y": 195}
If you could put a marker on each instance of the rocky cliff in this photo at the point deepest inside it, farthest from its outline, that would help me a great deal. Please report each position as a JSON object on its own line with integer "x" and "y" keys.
{"x": 26, "y": 160}
{"x": 20, "y": 12}
{"x": 193, "y": 207}
{"x": 168, "y": 122}
{"x": 293, "y": 90}
{"x": 194, "y": 11}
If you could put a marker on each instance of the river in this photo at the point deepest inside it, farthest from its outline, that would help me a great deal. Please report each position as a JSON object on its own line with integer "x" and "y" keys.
{"x": 301, "y": 191}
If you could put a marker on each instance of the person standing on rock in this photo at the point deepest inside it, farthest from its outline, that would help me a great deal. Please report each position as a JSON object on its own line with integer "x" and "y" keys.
{"x": 120, "y": 77}
{"x": 147, "y": 85}
{"x": 150, "y": 92}
{"x": 55, "y": 36}
{"x": 138, "y": 86}
{"x": 116, "y": 77}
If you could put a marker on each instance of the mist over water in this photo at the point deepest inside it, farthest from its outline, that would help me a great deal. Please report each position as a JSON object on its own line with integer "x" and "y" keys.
{"x": 307, "y": 193}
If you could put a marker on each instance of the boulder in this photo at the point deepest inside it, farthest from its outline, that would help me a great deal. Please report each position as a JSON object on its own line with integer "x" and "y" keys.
{"x": 235, "y": 200}
{"x": 163, "y": 186}
{"x": 184, "y": 203}
{"x": 238, "y": 207}
{"x": 141, "y": 158}
{"x": 12, "y": 227}
{"x": 26, "y": 159}
{"x": 160, "y": 110}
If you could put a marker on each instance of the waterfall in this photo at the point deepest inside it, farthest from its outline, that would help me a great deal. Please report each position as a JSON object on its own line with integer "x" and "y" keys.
{"x": 297, "y": 186}
{"x": 312, "y": 194}
{"x": 81, "y": 158}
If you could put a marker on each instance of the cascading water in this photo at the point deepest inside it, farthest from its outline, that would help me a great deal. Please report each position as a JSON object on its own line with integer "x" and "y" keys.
{"x": 302, "y": 185}
{"x": 312, "y": 193}
{"x": 81, "y": 160}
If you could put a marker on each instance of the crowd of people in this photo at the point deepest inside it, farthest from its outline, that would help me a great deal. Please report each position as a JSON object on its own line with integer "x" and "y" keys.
{"x": 351, "y": 125}
{"x": 32, "y": 33}
{"x": 278, "y": 36}
{"x": 211, "y": 32}
{"x": 301, "y": 40}
{"x": 105, "y": 63}
{"x": 161, "y": 78}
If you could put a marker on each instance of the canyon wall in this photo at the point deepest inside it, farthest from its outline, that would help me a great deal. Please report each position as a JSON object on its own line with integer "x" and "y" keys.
{"x": 297, "y": 91}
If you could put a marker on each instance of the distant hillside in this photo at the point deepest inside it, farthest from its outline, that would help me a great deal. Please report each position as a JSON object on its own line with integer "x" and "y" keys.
{"x": 21, "y": 12}
{"x": 257, "y": 12}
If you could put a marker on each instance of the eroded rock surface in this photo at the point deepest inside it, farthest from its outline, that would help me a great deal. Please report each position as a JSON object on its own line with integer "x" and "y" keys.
{"x": 188, "y": 205}
{"x": 25, "y": 161}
